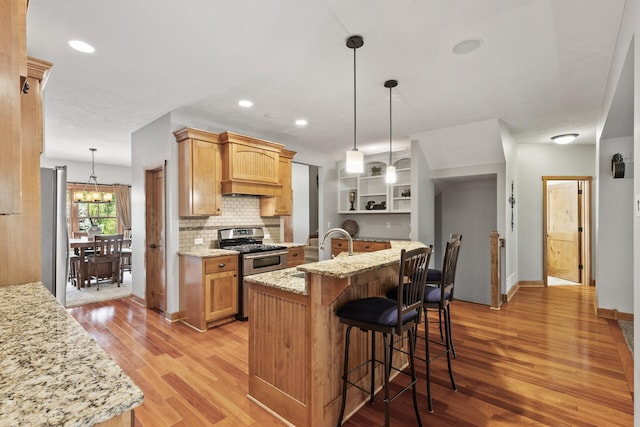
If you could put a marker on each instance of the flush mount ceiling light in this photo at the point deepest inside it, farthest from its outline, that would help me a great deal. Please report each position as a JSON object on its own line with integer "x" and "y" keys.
{"x": 81, "y": 46}
{"x": 245, "y": 103}
{"x": 565, "y": 138}
{"x": 390, "y": 177}
{"x": 355, "y": 158}
{"x": 301, "y": 122}
{"x": 86, "y": 195}
{"x": 467, "y": 46}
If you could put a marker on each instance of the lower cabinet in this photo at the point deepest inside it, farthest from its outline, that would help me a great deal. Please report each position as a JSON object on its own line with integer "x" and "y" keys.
{"x": 295, "y": 256}
{"x": 342, "y": 245}
{"x": 208, "y": 290}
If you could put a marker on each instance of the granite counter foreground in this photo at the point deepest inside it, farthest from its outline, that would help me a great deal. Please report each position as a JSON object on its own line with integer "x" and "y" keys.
{"x": 51, "y": 371}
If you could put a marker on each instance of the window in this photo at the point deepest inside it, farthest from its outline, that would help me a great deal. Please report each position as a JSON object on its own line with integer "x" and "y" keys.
{"x": 82, "y": 215}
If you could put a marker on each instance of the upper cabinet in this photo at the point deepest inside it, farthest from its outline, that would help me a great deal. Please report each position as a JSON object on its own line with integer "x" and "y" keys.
{"x": 250, "y": 165}
{"x": 13, "y": 74}
{"x": 282, "y": 204}
{"x": 369, "y": 193}
{"x": 199, "y": 173}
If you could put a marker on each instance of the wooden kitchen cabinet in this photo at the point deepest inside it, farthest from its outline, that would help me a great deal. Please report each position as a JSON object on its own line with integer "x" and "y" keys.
{"x": 13, "y": 73}
{"x": 282, "y": 204}
{"x": 295, "y": 256}
{"x": 342, "y": 245}
{"x": 250, "y": 165}
{"x": 208, "y": 290}
{"x": 199, "y": 173}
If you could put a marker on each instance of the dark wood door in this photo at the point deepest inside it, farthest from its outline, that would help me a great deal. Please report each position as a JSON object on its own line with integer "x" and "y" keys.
{"x": 155, "y": 239}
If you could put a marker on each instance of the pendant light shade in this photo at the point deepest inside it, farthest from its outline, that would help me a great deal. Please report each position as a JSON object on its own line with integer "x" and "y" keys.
{"x": 355, "y": 159}
{"x": 390, "y": 177}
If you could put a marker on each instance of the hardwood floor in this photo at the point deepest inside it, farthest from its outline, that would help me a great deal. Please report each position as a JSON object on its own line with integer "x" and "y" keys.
{"x": 543, "y": 359}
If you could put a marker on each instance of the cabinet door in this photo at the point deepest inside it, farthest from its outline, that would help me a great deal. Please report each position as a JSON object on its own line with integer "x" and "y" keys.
{"x": 199, "y": 174}
{"x": 295, "y": 256}
{"x": 221, "y": 295}
{"x": 281, "y": 204}
{"x": 13, "y": 72}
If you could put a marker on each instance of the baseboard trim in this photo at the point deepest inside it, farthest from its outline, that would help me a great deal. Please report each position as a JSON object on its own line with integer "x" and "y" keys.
{"x": 531, "y": 283}
{"x": 175, "y": 316}
{"x": 507, "y": 297}
{"x": 610, "y": 313}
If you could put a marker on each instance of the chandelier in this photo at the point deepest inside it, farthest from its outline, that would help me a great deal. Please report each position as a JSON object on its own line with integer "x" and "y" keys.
{"x": 89, "y": 195}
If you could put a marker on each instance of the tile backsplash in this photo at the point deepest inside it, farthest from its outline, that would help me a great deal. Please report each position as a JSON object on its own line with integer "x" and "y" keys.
{"x": 237, "y": 211}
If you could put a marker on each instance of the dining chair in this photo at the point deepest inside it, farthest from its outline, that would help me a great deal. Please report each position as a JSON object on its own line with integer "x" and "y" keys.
{"x": 391, "y": 319}
{"x": 107, "y": 251}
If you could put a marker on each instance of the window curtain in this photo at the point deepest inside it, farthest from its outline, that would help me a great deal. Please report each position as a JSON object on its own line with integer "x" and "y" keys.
{"x": 123, "y": 205}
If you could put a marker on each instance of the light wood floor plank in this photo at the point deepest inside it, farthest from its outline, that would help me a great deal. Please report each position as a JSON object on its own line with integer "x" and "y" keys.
{"x": 543, "y": 359}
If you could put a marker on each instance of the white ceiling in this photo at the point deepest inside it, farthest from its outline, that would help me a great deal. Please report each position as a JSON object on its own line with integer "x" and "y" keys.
{"x": 541, "y": 69}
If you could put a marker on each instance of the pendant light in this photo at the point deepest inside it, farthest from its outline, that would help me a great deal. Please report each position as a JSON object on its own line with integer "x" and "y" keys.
{"x": 355, "y": 158}
{"x": 390, "y": 177}
{"x": 86, "y": 195}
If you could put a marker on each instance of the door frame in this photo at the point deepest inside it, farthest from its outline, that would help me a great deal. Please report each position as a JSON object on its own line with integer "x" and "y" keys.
{"x": 586, "y": 216}
{"x": 147, "y": 173}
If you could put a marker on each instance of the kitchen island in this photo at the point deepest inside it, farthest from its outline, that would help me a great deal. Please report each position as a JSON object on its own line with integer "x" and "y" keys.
{"x": 296, "y": 341}
{"x": 51, "y": 371}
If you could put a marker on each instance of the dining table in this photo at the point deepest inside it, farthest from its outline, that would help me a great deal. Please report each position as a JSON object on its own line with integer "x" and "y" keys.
{"x": 82, "y": 244}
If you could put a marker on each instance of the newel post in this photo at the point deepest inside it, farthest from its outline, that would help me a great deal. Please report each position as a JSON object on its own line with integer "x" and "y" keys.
{"x": 495, "y": 271}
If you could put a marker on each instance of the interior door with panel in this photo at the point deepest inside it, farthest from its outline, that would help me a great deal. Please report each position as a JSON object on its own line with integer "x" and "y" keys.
{"x": 563, "y": 230}
{"x": 154, "y": 253}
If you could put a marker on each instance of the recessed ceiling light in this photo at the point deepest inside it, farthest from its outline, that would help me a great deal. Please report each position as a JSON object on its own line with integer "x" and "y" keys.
{"x": 245, "y": 103}
{"x": 81, "y": 46}
{"x": 565, "y": 138}
{"x": 467, "y": 46}
{"x": 301, "y": 122}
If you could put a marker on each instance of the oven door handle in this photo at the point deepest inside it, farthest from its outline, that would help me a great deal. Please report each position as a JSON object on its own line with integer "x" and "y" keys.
{"x": 263, "y": 254}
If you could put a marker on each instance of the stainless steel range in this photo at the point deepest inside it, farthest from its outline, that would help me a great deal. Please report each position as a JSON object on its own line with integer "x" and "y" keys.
{"x": 255, "y": 257}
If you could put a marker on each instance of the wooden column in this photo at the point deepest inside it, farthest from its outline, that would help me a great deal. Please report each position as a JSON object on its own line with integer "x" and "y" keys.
{"x": 495, "y": 271}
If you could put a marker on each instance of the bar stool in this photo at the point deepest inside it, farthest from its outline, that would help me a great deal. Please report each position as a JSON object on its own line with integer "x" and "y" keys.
{"x": 434, "y": 276}
{"x": 438, "y": 297}
{"x": 390, "y": 318}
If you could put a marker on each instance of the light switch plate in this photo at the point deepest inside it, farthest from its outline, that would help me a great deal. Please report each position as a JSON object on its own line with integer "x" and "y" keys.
{"x": 198, "y": 241}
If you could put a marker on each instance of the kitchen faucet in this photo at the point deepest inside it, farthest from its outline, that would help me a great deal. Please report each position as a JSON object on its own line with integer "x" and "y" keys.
{"x": 338, "y": 230}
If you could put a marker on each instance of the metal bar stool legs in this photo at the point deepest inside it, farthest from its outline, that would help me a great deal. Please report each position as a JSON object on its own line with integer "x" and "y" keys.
{"x": 388, "y": 349}
{"x": 448, "y": 351}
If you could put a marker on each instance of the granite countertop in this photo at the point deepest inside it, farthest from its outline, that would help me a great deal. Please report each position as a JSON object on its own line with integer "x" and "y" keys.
{"x": 340, "y": 267}
{"x": 281, "y": 279}
{"x": 51, "y": 371}
{"x": 208, "y": 253}
{"x": 289, "y": 244}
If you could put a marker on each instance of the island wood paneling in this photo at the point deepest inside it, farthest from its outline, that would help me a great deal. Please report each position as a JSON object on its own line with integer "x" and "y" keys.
{"x": 544, "y": 358}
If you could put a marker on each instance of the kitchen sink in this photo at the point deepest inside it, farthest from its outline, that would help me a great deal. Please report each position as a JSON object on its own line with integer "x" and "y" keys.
{"x": 298, "y": 274}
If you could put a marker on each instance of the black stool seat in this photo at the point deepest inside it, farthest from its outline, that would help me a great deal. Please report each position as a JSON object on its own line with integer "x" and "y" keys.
{"x": 390, "y": 318}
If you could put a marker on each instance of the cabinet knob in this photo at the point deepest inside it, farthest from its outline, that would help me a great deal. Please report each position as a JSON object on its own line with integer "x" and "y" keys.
{"x": 367, "y": 246}
{"x": 295, "y": 254}
{"x": 221, "y": 265}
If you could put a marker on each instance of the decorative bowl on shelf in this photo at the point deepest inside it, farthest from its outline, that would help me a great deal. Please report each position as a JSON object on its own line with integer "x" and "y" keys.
{"x": 351, "y": 227}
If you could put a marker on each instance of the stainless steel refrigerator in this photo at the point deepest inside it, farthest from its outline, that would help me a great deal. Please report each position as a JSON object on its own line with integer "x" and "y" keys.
{"x": 55, "y": 234}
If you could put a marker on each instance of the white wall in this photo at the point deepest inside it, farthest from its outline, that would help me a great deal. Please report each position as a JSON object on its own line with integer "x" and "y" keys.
{"x": 422, "y": 203}
{"x": 630, "y": 25}
{"x": 534, "y": 162}
{"x": 509, "y": 268}
{"x": 469, "y": 208}
{"x": 300, "y": 215}
{"x": 80, "y": 171}
{"x": 614, "y": 272}
{"x": 151, "y": 146}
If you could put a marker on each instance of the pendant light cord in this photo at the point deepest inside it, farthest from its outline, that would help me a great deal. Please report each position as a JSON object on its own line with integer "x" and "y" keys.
{"x": 390, "y": 124}
{"x": 354, "y": 100}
